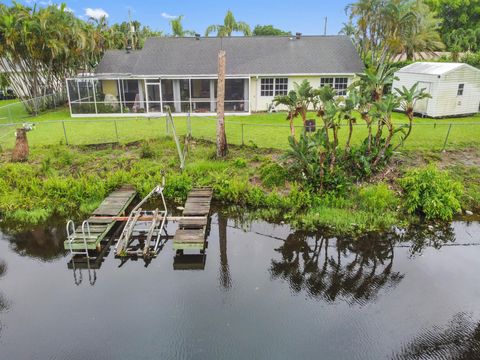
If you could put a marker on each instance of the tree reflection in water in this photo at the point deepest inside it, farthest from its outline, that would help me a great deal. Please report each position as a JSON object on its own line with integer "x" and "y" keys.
{"x": 353, "y": 270}
{"x": 3, "y": 300}
{"x": 44, "y": 242}
{"x": 225, "y": 279}
{"x": 459, "y": 340}
{"x": 337, "y": 268}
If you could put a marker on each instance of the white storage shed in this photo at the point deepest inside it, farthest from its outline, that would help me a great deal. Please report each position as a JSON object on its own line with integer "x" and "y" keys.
{"x": 454, "y": 87}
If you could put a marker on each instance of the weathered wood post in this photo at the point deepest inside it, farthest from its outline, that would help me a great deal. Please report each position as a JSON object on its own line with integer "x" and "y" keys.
{"x": 221, "y": 136}
{"x": 21, "y": 150}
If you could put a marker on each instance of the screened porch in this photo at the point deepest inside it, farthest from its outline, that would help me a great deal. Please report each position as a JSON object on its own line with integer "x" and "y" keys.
{"x": 129, "y": 96}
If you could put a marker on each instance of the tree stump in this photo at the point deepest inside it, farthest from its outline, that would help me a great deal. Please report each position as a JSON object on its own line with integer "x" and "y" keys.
{"x": 20, "y": 152}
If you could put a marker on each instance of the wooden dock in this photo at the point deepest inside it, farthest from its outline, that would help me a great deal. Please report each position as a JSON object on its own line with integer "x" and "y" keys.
{"x": 102, "y": 220}
{"x": 192, "y": 228}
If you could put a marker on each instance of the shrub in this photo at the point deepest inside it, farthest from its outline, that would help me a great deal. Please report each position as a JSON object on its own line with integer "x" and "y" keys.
{"x": 377, "y": 199}
{"x": 431, "y": 192}
{"x": 146, "y": 151}
{"x": 273, "y": 175}
{"x": 178, "y": 187}
{"x": 240, "y": 163}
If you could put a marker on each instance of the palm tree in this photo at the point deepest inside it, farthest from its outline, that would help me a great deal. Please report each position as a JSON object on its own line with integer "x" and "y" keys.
{"x": 423, "y": 34}
{"x": 230, "y": 25}
{"x": 177, "y": 28}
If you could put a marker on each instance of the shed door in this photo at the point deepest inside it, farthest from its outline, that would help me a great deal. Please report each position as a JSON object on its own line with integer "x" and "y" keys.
{"x": 421, "y": 105}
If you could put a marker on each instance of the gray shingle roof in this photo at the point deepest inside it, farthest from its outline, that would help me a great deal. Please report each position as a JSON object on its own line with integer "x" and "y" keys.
{"x": 256, "y": 55}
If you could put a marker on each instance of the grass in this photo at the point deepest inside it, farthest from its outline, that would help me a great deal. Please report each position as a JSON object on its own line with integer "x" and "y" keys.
{"x": 260, "y": 130}
{"x": 70, "y": 181}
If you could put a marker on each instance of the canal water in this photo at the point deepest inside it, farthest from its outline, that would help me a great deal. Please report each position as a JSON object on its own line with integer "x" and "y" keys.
{"x": 262, "y": 291}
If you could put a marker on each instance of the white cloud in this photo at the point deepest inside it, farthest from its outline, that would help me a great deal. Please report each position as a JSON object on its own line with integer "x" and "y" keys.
{"x": 168, "y": 16}
{"x": 95, "y": 13}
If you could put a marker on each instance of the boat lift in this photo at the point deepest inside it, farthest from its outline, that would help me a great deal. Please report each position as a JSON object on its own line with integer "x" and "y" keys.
{"x": 142, "y": 233}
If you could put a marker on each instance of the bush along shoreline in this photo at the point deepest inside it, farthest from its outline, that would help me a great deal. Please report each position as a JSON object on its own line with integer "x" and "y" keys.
{"x": 61, "y": 181}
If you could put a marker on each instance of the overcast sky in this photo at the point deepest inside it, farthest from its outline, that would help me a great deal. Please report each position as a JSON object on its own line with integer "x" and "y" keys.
{"x": 306, "y": 16}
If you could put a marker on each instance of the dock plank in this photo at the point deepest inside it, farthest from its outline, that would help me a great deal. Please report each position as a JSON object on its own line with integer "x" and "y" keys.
{"x": 113, "y": 205}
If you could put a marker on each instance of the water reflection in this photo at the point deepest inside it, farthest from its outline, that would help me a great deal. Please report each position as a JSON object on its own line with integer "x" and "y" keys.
{"x": 459, "y": 340}
{"x": 422, "y": 236}
{"x": 3, "y": 300}
{"x": 225, "y": 278}
{"x": 332, "y": 269}
{"x": 44, "y": 242}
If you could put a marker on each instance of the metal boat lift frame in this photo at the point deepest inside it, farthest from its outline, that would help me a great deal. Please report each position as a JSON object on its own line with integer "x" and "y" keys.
{"x": 156, "y": 221}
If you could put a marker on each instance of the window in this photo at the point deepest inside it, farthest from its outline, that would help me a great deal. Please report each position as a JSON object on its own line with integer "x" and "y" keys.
{"x": 339, "y": 84}
{"x": 460, "y": 89}
{"x": 281, "y": 86}
{"x": 326, "y": 81}
{"x": 266, "y": 87}
{"x": 273, "y": 86}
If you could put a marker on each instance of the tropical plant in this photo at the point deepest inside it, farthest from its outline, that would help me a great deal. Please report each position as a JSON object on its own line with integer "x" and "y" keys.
{"x": 177, "y": 28}
{"x": 408, "y": 99}
{"x": 460, "y": 27}
{"x": 431, "y": 192}
{"x": 297, "y": 102}
{"x": 290, "y": 101}
{"x": 382, "y": 29}
{"x": 43, "y": 46}
{"x": 229, "y": 26}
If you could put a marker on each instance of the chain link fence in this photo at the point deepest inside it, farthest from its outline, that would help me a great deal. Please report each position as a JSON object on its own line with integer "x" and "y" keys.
{"x": 432, "y": 135}
{"x": 18, "y": 110}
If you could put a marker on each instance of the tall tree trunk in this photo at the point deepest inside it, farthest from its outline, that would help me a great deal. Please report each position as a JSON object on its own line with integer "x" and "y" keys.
{"x": 20, "y": 152}
{"x": 221, "y": 136}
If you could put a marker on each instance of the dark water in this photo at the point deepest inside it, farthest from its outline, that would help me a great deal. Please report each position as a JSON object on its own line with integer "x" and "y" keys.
{"x": 265, "y": 293}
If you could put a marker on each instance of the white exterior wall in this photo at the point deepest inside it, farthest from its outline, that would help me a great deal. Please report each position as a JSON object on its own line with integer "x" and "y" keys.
{"x": 446, "y": 101}
{"x": 408, "y": 80}
{"x": 260, "y": 103}
{"x": 443, "y": 89}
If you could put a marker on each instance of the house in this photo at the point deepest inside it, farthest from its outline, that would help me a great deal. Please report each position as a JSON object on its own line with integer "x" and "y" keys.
{"x": 454, "y": 87}
{"x": 182, "y": 73}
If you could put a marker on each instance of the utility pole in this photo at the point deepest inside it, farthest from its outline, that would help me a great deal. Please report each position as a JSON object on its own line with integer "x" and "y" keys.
{"x": 131, "y": 30}
{"x": 221, "y": 136}
{"x": 325, "y": 27}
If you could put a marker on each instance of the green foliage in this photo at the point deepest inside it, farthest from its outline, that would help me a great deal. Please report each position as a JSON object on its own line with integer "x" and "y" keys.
{"x": 460, "y": 23}
{"x": 273, "y": 175}
{"x": 431, "y": 192}
{"x": 472, "y": 59}
{"x": 229, "y": 26}
{"x": 146, "y": 151}
{"x": 240, "y": 163}
{"x": 378, "y": 199}
{"x": 269, "y": 30}
{"x": 178, "y": 186}
{"x": 383, "y": 29}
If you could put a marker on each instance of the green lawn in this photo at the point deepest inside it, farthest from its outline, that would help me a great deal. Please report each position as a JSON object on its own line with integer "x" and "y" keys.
{"x": 263, "y": 130}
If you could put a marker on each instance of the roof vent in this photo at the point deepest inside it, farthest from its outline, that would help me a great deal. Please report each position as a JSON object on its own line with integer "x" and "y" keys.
{"x": 298, "y": 35}
{"x": 197, "y": 36}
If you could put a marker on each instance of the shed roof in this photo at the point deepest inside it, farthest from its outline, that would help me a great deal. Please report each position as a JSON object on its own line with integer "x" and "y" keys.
{"x": 253, "y": 55}
{"x": 431, "y": 68}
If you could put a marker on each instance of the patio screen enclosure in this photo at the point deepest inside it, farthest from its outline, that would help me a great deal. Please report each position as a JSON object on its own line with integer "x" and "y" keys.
{"x": 125, "y": 96}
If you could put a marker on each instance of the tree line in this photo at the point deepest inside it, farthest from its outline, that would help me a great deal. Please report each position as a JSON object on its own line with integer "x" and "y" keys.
{"x": 42, "y": 46}
{"x": 384, "y": 29}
